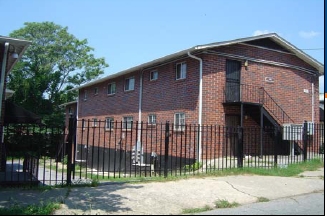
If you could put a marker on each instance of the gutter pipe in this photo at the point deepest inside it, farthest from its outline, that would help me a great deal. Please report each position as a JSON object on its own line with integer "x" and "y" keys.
{"x": 200, "y": 104}
{"x": 313, "y": 102}
{"x": 139, "y": 145}
{"x": 3, "y": 74}
{"x": 2, "y": 82}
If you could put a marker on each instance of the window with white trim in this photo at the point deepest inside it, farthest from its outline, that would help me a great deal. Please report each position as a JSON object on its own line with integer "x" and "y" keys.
{"x": 179, "y": 122}
{"x": 153, "y": 75}
{"x": 129, "y": 84}
{"x": 83, "y": 124}
{"x": 127, "y": 122}
{"x": 180, "y": 71}
{"x": 109, "y": 123}
{"x": 152, "y": 119}
{"x": 95, "y": 122}
{"x": 111, "y": 88}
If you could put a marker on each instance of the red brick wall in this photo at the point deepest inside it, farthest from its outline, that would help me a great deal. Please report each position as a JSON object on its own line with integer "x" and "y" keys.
{"x": 162, "y": 97}
{"x": 287, "y": 89}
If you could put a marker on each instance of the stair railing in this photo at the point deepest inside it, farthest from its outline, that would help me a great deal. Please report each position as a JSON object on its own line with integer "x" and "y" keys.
{"x": 276, "y": 110}
{"x": 255, "y": 94}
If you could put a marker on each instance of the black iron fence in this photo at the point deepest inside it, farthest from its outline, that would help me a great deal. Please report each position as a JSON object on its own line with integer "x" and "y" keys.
{"x": 92, "y": 149}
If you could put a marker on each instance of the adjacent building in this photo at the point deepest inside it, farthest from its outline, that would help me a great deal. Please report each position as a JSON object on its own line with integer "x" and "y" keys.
{"x": 11, "y": 50}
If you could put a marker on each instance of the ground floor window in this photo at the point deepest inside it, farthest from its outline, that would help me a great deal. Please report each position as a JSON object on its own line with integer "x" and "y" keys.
{"x": 179, "y": 122}
{"x": 127, "y": 122}
{"x": 152, "y": 119}
{"x": 109, "y": 123}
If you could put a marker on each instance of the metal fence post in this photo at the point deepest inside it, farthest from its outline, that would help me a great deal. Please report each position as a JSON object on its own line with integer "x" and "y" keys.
{"x": 305, "y": 140}
{"x": 69, "y": 146}
{"x": 166, "y": 149}
{"x": 240, "y": 147}
{"x": 277, "y": 143}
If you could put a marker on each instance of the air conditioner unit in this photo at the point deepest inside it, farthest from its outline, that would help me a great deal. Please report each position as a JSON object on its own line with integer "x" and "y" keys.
{"x": 311, "y": 128}
{"x": 292, "y": 132}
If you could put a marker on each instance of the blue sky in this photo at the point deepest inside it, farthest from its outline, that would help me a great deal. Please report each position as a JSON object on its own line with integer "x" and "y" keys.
{"x": 131, "y": 32}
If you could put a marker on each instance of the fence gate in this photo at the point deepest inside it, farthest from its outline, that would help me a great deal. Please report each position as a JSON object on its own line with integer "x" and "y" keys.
{"x": 35, "y": 155}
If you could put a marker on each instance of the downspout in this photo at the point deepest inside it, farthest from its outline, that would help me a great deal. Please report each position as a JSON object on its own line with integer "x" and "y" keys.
{"x": 139, "y": 145}
{"x": 200, "y": 104}
{"x": 2, "y": 81}
{"x": 313, "y": 102}
{"x": 76, "y": 135}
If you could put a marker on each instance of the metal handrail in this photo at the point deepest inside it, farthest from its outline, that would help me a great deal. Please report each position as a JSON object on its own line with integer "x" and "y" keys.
{"x": 256, "y": 94}
{"x": 284, "y": 117}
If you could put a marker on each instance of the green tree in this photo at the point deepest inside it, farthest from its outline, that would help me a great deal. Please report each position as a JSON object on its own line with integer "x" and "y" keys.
{"x": 55, "y": 62}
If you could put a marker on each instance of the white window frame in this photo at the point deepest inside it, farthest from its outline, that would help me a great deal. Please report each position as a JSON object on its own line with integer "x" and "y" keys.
{"x": 179, "y": 121}
{"x": 131, "y": 84}
{"x": 83, "y": 124}
{"x": 112, "y": 88}
{"x": 127, "y": 125}
{"x": 152, "y": 119}
{"x": 154, "y": 75}
{"x": 183, "y": 70}
{"x": 109, "y": 125}
{"x": 85, "y": 95}
{"x": 94, "y": 122}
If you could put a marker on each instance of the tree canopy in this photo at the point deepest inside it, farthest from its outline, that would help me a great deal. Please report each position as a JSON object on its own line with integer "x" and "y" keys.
{"x": 55, "y": 62}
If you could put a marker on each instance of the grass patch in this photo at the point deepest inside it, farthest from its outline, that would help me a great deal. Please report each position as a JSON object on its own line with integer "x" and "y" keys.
{"x": 218, "y": 204}
{"x": 197, "y": 210}
{"x": 197, "y": 165}
{"x": 225, "y": 204}
{"x": 43, "y": 209}
{"x": 290, "y": 170}
{"x": 262, "y": 199}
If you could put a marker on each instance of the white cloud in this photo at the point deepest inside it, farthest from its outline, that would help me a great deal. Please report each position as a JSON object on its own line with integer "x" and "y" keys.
{"x": 261, "y": 32}
{"x": 308, "y": 35}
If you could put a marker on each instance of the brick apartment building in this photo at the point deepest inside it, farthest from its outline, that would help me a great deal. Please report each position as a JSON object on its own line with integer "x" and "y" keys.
{"x": 256, "y": 81}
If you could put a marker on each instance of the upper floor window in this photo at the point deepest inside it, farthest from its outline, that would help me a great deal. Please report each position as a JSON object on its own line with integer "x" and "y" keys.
{"x": 129, "y": 84}
{"x": 70, "y": 110}
{"x": 152, "y": 119}
{"x": 96, "y": 90}
{"x": 111, "y": 88}
{"x": 109, "y": 123}
{"x": 180, "y": 71}
{"x": 153, "y": 75}
{"x": 85, "y": 95}
{"x": 179, "y": 122}
{"x": 127, "y": 122}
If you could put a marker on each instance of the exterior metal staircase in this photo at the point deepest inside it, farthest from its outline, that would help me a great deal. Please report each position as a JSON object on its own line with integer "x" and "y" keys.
{"x": 257, "y": 95}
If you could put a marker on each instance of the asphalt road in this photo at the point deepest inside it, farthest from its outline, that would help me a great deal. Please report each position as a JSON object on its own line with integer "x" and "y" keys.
{"x": 308, "y": 204}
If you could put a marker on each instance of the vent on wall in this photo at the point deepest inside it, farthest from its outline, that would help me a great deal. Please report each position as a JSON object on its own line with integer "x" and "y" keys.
{"x": 269, "y": 79}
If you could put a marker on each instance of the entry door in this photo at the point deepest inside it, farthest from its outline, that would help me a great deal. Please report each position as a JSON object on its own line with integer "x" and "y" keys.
{"x": 232, "y": 121}
{"x": 233, "y": 80}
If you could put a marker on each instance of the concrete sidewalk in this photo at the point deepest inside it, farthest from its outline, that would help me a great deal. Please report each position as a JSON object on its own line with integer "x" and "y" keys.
{"x": 165, "y": 198}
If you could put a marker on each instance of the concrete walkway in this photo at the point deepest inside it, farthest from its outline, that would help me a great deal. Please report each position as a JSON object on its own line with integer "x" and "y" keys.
{"x": 165, "y": 198}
